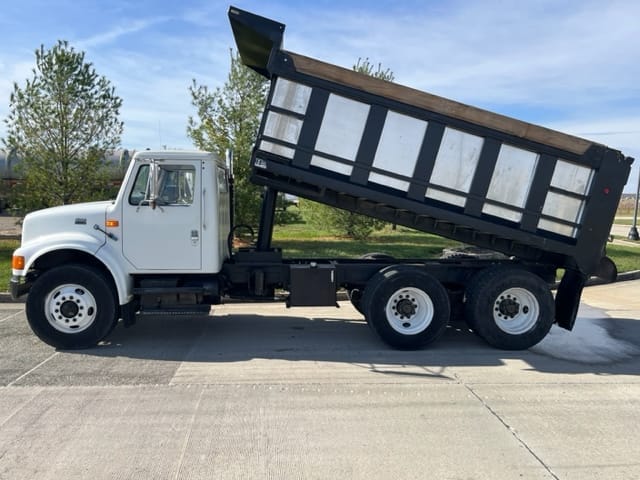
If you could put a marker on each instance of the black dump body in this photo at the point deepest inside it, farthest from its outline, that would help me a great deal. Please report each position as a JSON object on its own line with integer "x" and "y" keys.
{"x": 408, "y": 157}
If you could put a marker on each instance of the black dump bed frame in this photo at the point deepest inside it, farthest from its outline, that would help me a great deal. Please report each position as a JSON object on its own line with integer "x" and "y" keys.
{"x": 381, "y": 149}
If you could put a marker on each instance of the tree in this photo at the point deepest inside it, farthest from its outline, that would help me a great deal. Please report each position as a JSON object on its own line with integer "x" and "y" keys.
{"x": 341, "y": 221}
{"x": 62, "y": 123}
{"x": 229, "y": 118}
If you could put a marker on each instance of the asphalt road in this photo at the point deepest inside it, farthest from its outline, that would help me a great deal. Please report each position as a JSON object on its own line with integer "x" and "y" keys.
{"x": 258, "y": 391}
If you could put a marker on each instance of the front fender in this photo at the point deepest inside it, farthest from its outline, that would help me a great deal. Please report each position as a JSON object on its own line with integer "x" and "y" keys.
{"x": 79, "y": 242}
{"x": 36, "y": 248}
{"x": 113, "y": 261}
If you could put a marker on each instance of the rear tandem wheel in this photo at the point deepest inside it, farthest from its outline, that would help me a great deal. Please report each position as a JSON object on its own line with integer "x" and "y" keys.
{"x": 407, "y": 307}
{"x": 510, "y": 308}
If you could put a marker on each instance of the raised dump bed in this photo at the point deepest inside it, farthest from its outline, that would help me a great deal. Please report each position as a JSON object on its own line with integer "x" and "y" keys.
{"x": 392, "y": 152}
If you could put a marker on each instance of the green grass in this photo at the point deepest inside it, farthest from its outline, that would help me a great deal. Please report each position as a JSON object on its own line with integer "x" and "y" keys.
{"x": 623, "y": 221}
{"x": 6, "y": 251}
{"x": 304, "y": 242}
{"x": 627, "y": 259}
{"x": 300, "y": 241}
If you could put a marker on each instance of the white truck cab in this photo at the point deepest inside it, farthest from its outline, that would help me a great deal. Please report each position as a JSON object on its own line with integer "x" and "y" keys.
{"x": 172, "y": 215}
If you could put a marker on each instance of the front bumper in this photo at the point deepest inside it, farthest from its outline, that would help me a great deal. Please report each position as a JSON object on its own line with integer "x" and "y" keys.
{"x": 18, "y": 286}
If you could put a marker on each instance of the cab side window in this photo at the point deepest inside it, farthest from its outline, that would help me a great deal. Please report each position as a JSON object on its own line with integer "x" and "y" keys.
{"x": 175, "y": 185}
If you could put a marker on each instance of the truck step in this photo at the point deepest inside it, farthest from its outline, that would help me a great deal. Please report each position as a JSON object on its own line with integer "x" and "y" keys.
{"x": 177, "y": 310}
{"x": 170, "y": 290}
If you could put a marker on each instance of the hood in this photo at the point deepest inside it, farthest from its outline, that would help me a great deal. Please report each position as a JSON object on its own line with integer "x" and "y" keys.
{"x": 76, "y": 218}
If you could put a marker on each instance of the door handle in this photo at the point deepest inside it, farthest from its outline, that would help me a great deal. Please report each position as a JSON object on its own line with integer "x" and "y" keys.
{"x": 194, "y": 236}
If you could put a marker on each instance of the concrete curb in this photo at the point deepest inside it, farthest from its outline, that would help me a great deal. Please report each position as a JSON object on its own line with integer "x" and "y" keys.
{"x": 5, "y": 297}
{"x": 622, "y": 277}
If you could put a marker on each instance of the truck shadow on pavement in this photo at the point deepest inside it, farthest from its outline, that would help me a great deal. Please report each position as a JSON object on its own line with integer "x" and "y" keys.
{"x": 238, "y": 338}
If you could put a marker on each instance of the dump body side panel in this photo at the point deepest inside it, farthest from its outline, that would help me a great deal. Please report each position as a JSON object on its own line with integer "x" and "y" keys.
{"x": 412, "y": 158}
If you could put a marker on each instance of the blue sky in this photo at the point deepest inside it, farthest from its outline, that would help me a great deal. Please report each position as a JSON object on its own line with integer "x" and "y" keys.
{"x": 569, "y": 65}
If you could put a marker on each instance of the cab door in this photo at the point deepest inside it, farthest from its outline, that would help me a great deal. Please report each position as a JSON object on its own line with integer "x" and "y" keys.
{"x": 162, "y": 222}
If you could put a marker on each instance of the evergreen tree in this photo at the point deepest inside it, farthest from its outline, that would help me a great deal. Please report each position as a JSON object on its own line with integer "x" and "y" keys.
{"x": 61, "y": 123}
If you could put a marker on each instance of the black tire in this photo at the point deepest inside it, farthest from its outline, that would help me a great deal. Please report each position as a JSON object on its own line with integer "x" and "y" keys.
{"x": 355, "y": 296}
{"x": 407, "y": 307}
{"x": 510, "y": 308}
{"x": 72, "y": 307}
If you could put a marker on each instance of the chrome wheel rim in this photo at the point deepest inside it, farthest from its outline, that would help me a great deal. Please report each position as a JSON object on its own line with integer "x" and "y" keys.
{"x": 516, "y": 311}
{"x": 70, "y": 308}
{"x": 409, "y": 311}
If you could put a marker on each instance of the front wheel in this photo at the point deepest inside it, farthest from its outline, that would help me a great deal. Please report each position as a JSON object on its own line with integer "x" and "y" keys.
{"x": 510, "y": 308}
{"x": 72, "y": 307}
{"x": 407, "y": 307}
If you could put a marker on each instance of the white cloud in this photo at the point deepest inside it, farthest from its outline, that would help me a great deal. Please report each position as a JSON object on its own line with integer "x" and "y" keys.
{"x": 118, "y": 31}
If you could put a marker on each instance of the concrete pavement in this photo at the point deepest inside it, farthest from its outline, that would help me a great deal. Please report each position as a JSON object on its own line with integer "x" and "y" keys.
{"x": 258, "y": 391}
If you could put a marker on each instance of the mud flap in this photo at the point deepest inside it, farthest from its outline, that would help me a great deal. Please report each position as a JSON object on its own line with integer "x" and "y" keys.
{"x": 568, "y": 298}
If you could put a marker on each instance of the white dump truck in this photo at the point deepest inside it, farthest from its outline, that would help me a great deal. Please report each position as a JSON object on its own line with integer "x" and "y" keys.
{"x": 544, "y": 199}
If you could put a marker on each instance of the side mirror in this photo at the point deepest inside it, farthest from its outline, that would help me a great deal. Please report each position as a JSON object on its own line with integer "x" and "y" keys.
{"x": 151, "y": 195}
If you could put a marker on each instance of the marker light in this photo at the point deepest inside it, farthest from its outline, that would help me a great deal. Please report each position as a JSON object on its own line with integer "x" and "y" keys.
{"x": 17, "y": 262}
{"x": 111, "y": 223}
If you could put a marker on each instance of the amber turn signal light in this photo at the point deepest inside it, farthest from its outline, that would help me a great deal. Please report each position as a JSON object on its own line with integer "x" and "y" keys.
{"x": 17, "y": 262}
{"x": 111, "y": 223}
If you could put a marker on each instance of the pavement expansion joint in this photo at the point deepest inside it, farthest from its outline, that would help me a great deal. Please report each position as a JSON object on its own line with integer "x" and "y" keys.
{"x": 508, "y": 427}
{"x": 187, "y": 437}
{"x": 32, "y": 370}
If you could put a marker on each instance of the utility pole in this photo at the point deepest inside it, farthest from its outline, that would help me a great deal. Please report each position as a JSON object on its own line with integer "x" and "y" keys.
{"x": 633, "y": 233}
